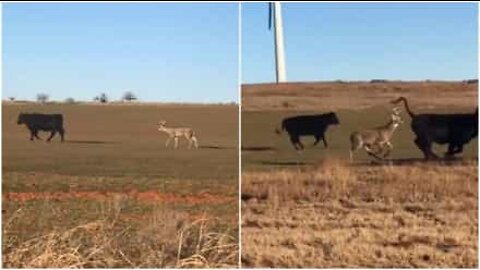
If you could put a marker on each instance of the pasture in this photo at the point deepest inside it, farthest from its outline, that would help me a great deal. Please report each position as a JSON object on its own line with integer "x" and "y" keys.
{"x": 316, "y": 209}
{"x": 112, "y": 195}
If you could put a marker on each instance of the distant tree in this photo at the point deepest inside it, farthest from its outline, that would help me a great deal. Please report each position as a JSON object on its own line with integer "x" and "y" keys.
{"x": 70, "y": 100}
{"x": 42, "y": 97}
{"x": 11, "y": 99}
{"x": 129, "y": 96}
{"x": 103, "y": 98}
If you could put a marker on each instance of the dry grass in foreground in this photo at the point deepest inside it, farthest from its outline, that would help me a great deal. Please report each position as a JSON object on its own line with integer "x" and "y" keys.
{"x": 337, "y": 215}
{"x": 165, "y": 239}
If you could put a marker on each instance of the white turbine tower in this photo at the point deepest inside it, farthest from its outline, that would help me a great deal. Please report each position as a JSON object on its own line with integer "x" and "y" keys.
{"x": 275, "y": 14}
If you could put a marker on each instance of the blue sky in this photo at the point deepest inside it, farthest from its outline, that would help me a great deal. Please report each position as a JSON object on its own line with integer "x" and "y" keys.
{"x": 351, "y": 41}
{"x": 162, "y": 52}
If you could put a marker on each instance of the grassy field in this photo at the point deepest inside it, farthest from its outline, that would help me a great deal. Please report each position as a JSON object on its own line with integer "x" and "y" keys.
{"x": 112, "y": 195}
{"x": 316, "y": 209}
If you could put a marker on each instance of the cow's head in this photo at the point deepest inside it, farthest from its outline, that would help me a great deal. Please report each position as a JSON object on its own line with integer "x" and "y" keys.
{"x": 21, "y": 118}
{"x": 332, "y": 119}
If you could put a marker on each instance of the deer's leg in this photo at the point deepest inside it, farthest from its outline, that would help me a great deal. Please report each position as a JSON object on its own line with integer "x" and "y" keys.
{"x": 370, "y": 152}
{"x": 195, "y": 142}
{"x": 389, "y": 149}
{"x": 168, "y": 141}
{"x": 355, "y": 145}
{"x": 176, "y": 142}
{"x": 190, "y": 141}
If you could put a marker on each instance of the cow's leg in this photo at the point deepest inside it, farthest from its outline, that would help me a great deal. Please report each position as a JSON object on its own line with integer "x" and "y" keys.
{"x": 324, "y": 141}
{"x": 420, "y": 146}
{"x": 317, "y": 139}
{"x": 299, "y": 143}
{"x": 295, "y": 141}
{"x": 459, "y": 149}
{"x": 426, "y": 147}
{"x": 35, "y": 133}
{"x": 32, "y": 135}
{"x": 450, "y": 151}
{"x": 62, "y": 133}
{"x": 51, "y": 135}
{"x": 453, "y": 149}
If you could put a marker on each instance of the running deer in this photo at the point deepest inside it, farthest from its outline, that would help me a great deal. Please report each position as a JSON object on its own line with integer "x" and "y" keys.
{"x": 378, "y": 137}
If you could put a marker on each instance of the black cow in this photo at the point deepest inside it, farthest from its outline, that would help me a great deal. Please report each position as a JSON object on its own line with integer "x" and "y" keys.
{"x": 456, "y": 130}
{"x": 308, "y": 125}
{"x": 44, "y": 122}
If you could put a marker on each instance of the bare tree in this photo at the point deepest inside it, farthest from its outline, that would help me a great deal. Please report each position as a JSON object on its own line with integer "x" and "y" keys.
{"x": 129, "y": 96}
{"x": 42, "y": 97}
{"x": 70, "y": 100}
{"x": 103, "y": 98}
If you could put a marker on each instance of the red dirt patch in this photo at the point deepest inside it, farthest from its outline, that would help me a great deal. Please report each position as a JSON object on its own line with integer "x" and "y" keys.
{"x": 143, "y": 196}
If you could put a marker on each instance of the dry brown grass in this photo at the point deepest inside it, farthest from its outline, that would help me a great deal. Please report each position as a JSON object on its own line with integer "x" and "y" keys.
{"x": 358, "y": 95}
{"x": 340, "y": 215}
{"x": 165, "y": 239}
{"x": 112, "y": 195}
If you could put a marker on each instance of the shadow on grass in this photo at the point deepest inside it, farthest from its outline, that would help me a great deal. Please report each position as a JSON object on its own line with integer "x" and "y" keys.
{"x": 215, "y": 147}
{"x": 258, "y": 148}
{"x": 286, "y": 163}
{"x": 89, "y": 142}
{"x": 418, "y": 161}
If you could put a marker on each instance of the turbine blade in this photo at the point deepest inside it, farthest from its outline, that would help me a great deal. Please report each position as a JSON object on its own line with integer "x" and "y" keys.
{"x": 270, "y": 15}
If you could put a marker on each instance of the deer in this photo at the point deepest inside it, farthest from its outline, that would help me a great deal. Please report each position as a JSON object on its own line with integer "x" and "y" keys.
{"x": 378, "y": 137}
{"x": 175, "y": 133}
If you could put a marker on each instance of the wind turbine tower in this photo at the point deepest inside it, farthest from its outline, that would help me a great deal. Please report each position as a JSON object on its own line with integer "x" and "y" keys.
{"x": 275, "y": 14}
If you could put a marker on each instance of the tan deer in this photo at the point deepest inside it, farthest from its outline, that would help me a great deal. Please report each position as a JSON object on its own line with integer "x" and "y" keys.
{"x": 376, "y": 138}
{"x": 175, "y": 133}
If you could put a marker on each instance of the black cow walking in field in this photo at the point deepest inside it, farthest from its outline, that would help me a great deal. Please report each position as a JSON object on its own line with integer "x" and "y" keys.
{"x": 42, "y": 122}
{"x": 456, "y": 130}
{"x": 308, "y": 125}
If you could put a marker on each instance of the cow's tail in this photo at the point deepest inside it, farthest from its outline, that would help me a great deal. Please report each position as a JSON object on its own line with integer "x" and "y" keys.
{"x": 279, "y": 130}
{"x": 405, "y": 103}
